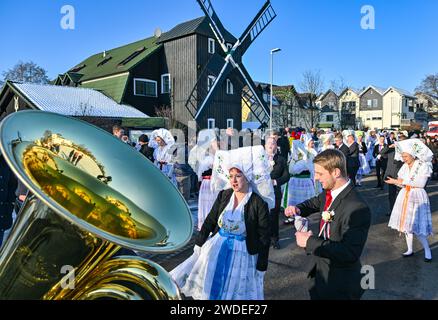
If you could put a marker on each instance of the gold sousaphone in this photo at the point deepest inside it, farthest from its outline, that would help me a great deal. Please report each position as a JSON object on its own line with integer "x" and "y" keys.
{"x": 89, "y": 196}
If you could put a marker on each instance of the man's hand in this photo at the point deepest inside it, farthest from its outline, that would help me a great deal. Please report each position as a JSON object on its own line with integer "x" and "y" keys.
{"x": 302, "y": 238}
{"x": 292, "y": 211}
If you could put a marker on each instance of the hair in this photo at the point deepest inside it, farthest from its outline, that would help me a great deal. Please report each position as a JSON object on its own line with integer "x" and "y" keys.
{"x": 332, "y": 159}
{"x": 143, "y": 138}
{"x": 339, "y": 136}
{"x": 116, "y": 128}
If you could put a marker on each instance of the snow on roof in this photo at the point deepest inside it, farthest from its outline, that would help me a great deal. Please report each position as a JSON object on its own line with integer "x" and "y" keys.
{"x": 401, "y": 91}
{"x": 381, "y": 91}
{"x": 71, "y": 101}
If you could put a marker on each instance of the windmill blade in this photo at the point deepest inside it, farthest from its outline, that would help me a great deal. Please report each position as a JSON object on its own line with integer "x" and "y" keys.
{"x": 255, "y": 28}
{"x": 215, "y": 23}
{"x": 226, "y": 70}
{"x": 252, "y": 88}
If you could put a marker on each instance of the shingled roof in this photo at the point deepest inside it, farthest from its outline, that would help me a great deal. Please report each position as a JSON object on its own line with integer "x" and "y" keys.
{"x": 199, "y": 25}
{"x": 115, "y": 61}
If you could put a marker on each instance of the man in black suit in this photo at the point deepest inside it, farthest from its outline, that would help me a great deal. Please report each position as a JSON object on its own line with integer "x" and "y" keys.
{"x": 145, "y": 150}
{"x": 391, "y": 139}
{"x": 353, "y": 162}
{"x": 339, "y": 144}
{"x": 282, "y": 143}
{"x": 336, "y": 267}
{"x": 381, "y": 156}
{"x": 392, "y": 169}
{"x": 279, "y": 175}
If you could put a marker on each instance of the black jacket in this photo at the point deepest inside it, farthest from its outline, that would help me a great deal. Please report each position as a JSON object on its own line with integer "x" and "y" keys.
{"x": 383, "y": 152}
{"x": 148, "y": 152}
{"x": 284, "y": 146}
{"x": 8, "y": 185}
{"x": 336, "y": 263}
{"x": 363, "y": 148}
{"x": 393, "y": 166}
{"x": 353, "y": 156}
{"x": 279, "y": 173}
{"x": 345, "y": 150}
{"x": 256, "y": 221}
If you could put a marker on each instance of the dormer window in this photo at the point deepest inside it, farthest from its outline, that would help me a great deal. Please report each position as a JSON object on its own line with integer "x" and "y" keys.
{"x": 131, "y": 56}
{"x": 78, "y": 68}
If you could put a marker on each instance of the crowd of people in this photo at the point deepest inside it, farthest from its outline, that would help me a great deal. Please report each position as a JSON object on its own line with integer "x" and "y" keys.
{"x": 245, "y": 192}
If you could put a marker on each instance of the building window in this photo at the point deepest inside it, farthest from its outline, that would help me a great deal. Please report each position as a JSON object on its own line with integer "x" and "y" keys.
{"x": 230, "y": 123}
{"x": 372, "y": 103}
{"x": 404, "y": 116}
{"x": 329, "y": 118}
{"x": 230, "y": 87}
{"x": 211, "y": 123}
{"x": 165, "y": 83}
{"x": 211, "y": 46}
{"x": 145, "y": 88}
{"x": 211, "y": 80}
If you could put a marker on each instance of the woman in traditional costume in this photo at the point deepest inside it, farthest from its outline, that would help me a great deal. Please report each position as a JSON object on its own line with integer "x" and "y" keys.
{"x": 300, "y": 187}
{"x": 201, "y": 160}
{"x": 162, "y": 141}
{"x": 364, "y": 168}
{"x": 327, "y": 142}
{"x": 411, "y": 214}
{"x": 371, "y": 141}
{"x": 311, "y": 153}
{"x": 230, "y": 265}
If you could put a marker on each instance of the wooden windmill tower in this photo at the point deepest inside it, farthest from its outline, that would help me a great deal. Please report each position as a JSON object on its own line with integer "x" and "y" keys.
{"x": 217, "y": 70}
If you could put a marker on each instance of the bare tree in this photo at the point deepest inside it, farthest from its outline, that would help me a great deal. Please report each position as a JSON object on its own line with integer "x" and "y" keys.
{"x": 429, "y": 85}
{"x": 338, "y": 85}
{"x": 344, "y": 111}
{"x": 289, "y": 100}
{"x": 312, "y": 85}
{"x": 26, "y": 72}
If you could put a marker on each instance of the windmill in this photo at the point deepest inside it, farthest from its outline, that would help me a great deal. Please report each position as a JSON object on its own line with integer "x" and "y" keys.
{"x": 202, "y": 95}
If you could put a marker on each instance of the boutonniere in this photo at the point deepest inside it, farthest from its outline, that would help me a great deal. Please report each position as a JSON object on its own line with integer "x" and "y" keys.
{"x": 272, "y": 163}
{"x": 327, "y": 218}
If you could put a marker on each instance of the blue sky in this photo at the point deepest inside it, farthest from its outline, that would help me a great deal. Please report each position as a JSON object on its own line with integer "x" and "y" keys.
{"x": 321, "y": 35}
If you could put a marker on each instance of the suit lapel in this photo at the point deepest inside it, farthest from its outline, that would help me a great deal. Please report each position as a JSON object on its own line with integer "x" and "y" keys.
{"x": 340, "y": 197}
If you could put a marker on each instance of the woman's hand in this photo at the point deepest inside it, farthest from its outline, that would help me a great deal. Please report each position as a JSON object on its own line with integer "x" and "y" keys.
{"x": 393, "y": 181}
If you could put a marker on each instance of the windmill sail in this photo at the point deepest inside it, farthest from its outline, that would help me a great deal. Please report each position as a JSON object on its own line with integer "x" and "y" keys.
{"x": 256, "y": 27}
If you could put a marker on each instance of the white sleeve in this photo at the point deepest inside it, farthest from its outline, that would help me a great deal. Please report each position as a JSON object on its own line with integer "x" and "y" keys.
{"x": 419, "y": 182}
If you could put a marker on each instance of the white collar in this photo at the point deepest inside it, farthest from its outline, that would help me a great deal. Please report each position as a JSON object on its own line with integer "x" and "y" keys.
{"x": 338, "y": 191}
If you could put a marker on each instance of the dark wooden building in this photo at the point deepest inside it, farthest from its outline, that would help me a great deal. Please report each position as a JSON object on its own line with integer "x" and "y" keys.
{"x": 161, "y": 72}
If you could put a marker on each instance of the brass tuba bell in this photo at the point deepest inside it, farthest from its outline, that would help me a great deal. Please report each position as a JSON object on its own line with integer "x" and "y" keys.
{"x": 89, "y": 196}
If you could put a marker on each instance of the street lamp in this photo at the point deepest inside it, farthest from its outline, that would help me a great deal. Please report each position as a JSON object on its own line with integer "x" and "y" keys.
{"x": 272, "y": 84}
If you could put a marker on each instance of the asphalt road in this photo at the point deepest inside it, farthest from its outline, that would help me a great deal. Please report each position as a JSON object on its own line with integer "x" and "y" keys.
{"x": 395, "y": 277}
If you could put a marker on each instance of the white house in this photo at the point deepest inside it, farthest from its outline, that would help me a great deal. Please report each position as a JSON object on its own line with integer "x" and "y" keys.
{"x": 398, "y": 108}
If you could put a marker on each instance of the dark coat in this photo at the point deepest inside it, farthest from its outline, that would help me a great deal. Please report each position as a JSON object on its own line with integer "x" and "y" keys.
{"x": 148, "y": 152}
{"x": 383, "y": 152}
{"x": 257, "y": 225}
{"x": 279, "y": 173}
{"x": 8, "y": 185}
{"x": 393, "y": 166}
{"x": 284, "y": 146}
{"x": 353, "y": 156}
{"x": 363, "y": 148}
{"x": 336, "y": 266}
{"x": 345, "y": 150}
